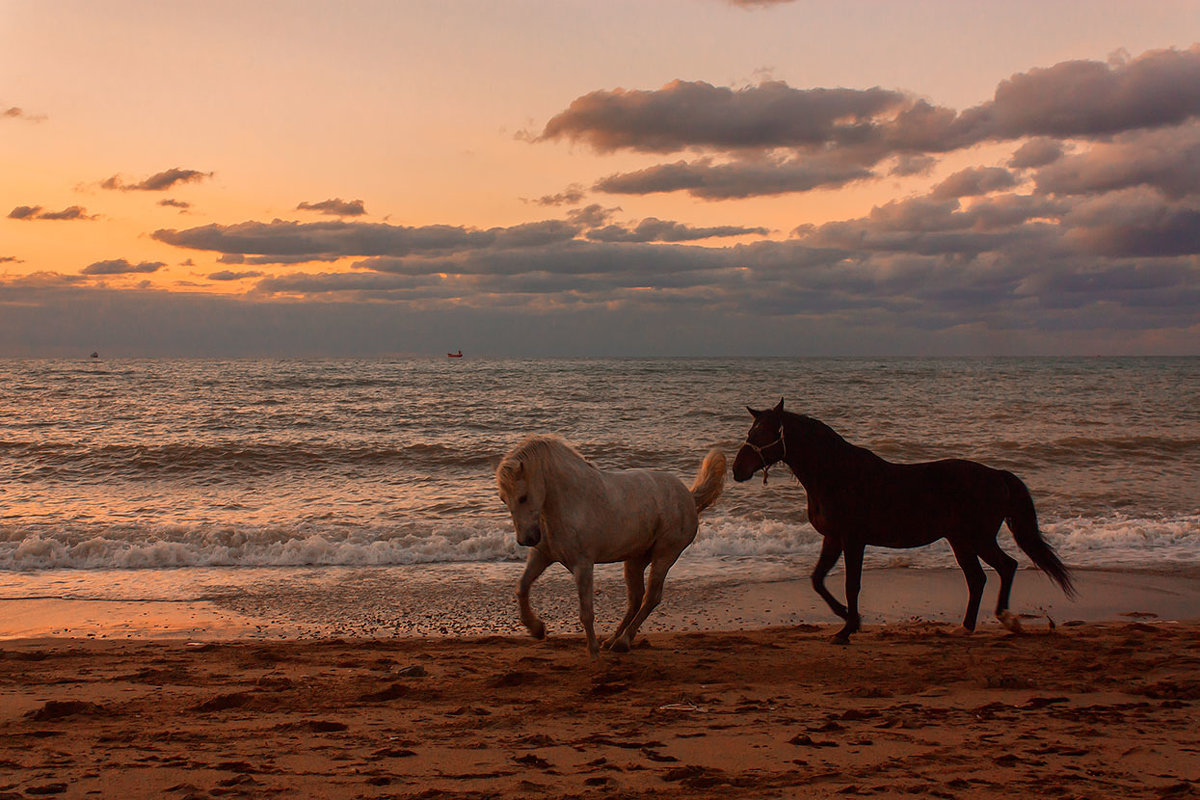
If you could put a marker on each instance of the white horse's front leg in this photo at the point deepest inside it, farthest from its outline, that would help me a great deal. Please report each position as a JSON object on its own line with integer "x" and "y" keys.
{"x": 535, "y": 565}
{"x": 587, "y": 615}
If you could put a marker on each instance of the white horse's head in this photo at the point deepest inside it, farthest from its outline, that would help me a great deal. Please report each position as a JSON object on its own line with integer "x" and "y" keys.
{"x": 524, "y": 493}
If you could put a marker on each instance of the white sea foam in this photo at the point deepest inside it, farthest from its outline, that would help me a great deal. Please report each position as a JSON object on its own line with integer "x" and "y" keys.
{"x": 1113, "y": 542}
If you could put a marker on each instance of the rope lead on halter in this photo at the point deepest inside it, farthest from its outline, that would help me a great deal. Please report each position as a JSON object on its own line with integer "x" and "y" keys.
{"x": 766, "y": 467}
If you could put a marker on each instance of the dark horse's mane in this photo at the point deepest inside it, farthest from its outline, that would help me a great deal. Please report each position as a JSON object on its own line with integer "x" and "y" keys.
{"x": 814, "y": 427}
{"x": 817, "y": 433}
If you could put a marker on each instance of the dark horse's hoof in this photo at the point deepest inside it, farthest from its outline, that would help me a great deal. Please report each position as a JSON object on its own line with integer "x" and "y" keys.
{"x": 841, "y": 638}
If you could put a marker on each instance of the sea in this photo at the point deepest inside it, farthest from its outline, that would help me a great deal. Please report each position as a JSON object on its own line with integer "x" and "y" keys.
{"x": 270, "y": 485}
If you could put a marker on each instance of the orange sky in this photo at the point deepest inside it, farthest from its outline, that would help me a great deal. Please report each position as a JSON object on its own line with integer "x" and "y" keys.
{"x": 425, "y": 111}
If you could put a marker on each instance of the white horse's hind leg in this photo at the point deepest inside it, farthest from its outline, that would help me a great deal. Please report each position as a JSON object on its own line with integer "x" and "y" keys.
{"x": 535, "y": 565}
{"x": 587, "y": 615}
{"x": 658, "y": 574}
{"x": 635, "y": 590}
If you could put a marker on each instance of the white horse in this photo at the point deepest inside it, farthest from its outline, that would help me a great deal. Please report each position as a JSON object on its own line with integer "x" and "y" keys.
{"x": 567, "y": 510}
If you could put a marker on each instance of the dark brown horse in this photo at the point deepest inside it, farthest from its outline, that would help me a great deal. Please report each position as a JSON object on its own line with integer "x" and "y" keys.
{"x": 855, "y": 499}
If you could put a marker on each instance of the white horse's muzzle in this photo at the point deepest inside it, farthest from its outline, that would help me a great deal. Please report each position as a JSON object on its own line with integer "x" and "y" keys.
{"x": 530, "y": 536}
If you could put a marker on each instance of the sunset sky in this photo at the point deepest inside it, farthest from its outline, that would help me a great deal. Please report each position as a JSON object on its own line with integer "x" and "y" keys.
{"x": 659, "y": 177}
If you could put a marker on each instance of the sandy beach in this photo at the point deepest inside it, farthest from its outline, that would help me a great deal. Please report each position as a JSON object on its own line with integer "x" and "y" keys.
{"x": 1092, "y": 704}
{"x": 1093, "y": 710}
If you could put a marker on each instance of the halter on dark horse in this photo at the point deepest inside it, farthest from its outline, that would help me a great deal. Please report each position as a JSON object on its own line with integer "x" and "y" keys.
{"x": 855, "y": 499}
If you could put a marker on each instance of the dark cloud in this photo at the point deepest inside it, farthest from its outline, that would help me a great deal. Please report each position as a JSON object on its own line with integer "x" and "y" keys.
{"x": 592, "y": 216}
{"x": 376, "y": 284}
{"x": 328, "y": 240}
{"x": 1036, "y": 153}
{"x": 42, "y": 279}
{"x": 943, "y": 261}
{"x": 653, "y": 229}
{"x": 572, "y": 195}
{"x": 1092, "y": 98}
{"x": 534, "y": 234}
{"x": 1025, "y": 278}
{"x": 336, "y": 207}
{"x": 158, "y": 182}
{"x": 686, "y": 114}
{"x": 11, "y": 259}
{"x": 573, "y": 258}
{"x": 25, "y": 212}
{"x": 172, "y": 203}
{"x": 258, "y": 261}
{"x": 908, "y": 165}
{"x": 120, "y": 266}
{"x": 226, "y": 275}
{"x": 36, "y": 212}
{"x": 1167, "y": 160}
{"x": 71, "y": 213}
{"x": 847, "y": 126}
{"x": 1129, "y": 224}
{"x": 783, "y": 139}
{"x": 738, "y": 179}
{"x": 1040, "y": 229}
{"x": 974, "y": 181}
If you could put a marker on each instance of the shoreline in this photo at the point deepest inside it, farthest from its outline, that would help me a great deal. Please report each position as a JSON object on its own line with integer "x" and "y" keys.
{"x": 471, "y": 600}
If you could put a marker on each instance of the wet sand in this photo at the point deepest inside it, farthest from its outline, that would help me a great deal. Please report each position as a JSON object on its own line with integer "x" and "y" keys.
{"x": 477, "y": 600}
{"x": 1095, "y": 710}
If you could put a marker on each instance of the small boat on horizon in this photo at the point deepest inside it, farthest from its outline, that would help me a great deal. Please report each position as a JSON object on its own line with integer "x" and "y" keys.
{"x": 455, "y": 355}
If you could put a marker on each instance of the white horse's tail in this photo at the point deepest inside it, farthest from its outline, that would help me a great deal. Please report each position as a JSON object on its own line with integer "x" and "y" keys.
{"x": 709, "y": 481}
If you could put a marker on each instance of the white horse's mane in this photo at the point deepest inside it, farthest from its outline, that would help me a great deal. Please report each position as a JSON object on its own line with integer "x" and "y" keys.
{"x": 536, "y": 453}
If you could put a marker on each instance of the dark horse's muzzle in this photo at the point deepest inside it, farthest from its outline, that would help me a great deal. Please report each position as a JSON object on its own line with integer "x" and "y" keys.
{"x": 745, "y": 464}
{"x": 529, "y": 537}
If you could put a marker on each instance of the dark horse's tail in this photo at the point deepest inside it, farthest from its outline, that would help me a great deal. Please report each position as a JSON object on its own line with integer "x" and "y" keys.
{"x": 1022, "y": 521}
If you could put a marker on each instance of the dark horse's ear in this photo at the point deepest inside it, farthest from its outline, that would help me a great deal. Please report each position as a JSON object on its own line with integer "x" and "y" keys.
{"x": 753, "y": 413}
{"x": 779, "y": 407}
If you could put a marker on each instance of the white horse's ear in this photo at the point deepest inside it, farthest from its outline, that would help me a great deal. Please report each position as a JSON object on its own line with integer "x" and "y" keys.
{"x": 520, "y": 473}
{"x": 779, "y": 407}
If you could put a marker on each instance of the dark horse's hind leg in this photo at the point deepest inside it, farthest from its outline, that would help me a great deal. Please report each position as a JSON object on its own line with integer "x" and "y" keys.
{"x": 831, "y": 551}
{"x": 1006, "y": 566}
{"x": 968, "y": 559}
{"x": 854, "y": 564}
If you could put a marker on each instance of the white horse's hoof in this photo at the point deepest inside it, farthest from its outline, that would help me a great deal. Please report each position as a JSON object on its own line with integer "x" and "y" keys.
{"x": 538, "y": 631}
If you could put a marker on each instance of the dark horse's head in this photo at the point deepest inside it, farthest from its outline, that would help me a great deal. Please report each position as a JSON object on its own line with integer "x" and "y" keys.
{"x": 764, "y": 444}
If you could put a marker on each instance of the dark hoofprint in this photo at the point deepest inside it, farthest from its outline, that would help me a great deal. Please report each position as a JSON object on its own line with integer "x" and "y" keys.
{"x": 856, "y": 498}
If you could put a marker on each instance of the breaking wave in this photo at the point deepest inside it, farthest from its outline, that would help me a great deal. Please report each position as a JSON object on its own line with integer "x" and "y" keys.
{"x": 1111, "y": 542}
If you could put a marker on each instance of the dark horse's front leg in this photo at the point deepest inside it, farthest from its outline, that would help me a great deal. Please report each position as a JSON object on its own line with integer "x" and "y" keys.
{"x": 831, "y": 551}
{"x": 854, "y": 564}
